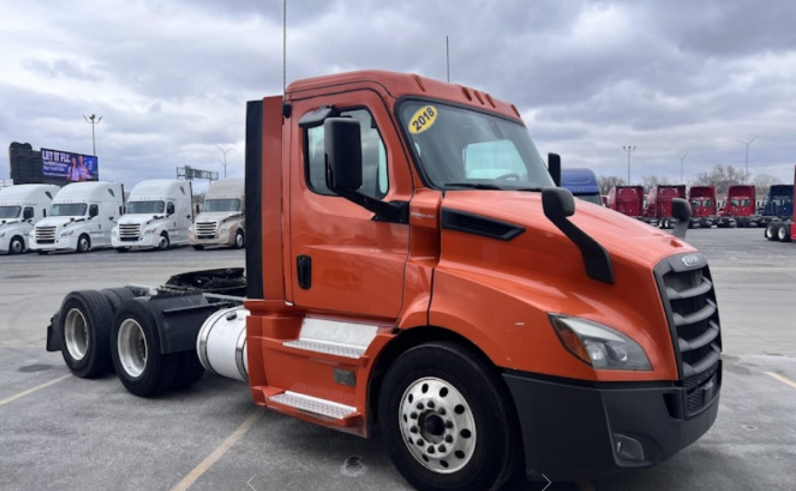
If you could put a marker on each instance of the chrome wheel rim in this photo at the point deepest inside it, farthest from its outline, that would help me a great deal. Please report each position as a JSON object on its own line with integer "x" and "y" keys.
{"x": 76, "y": 334}
{"x": 239, "y": 240}
{"x": 132, "y": 345}
{"x": 437, "y": 425}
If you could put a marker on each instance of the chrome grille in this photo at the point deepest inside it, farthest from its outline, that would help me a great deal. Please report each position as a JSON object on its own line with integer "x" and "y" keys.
{"x": 206, "y": 230}
{"x": 45, "y": 234}
{"x": 690, "y": 301}
{"x": 129, "y": 231}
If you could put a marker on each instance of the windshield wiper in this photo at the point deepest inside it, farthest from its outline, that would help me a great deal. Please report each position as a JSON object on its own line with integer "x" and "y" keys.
{"x": 473, "y": 185}
{"x": 531, "y": 190}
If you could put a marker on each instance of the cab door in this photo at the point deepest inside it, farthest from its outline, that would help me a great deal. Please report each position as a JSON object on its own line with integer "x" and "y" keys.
{"x": 342, "y": 261}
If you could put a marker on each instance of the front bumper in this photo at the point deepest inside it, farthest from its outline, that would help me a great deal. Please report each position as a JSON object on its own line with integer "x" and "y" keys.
{"x": 68, "y": 243}
{"x": 219, "y": 239}
{"x": 572, "y": 431}
{"x": 146, "y": 240}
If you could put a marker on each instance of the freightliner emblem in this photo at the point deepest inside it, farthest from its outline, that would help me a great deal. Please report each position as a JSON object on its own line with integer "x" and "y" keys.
{"x": 690, "y": 261}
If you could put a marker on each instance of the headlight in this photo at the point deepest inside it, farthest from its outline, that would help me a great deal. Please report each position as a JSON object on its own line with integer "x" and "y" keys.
{"x": 224, "y": 230}
{"x": 67, "y": 233}
{"x": 598, "y": 345}
{"x": 150, "y": 231}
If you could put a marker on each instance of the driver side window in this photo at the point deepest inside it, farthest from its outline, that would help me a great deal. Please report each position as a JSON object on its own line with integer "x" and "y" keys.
{"x": 374, "y": 157}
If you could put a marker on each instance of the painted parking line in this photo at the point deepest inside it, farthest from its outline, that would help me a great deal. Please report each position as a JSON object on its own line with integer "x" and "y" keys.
{"x": 782, "y": 379}
{"x": 34, "y": 389}
{"x": 211, "y": 459}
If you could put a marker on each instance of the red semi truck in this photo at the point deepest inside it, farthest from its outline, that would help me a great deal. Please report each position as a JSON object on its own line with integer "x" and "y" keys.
{"x": 411, "y": 269}
{"x": 739, "y": 207}
{"x": 627, "y": 200}
{"x": 659, "y": 204}
{"x": 703, "y": 206}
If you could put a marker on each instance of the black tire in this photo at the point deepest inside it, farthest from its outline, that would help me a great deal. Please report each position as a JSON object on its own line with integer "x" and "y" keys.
{"x": 470, "y": 405}
{"x": 84, "y": 330}
{"x": 198, "y": 247}
{"x": 16, "y": 246}
{"x": 116, "y": 297}
{"x": 83, "y": 244}
{"x": 189, "y": 370}
{"x": 771, "y": 231}
{"x": 783, "y": 232}
{"x": 164, "y": 242}
{"x": 135, "y": 348}
{"x": 240, "y": 239}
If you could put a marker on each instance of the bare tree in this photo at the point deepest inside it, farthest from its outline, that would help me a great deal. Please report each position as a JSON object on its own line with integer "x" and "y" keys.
{"x": 651, "y": 181}
{"x": 607, "y": 182}
{"x": 764, "y": 181}
{"x": 722, "y": 177}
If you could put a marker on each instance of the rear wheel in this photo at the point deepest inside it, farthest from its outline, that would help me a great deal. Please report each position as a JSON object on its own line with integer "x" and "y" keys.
{"x": 86, "y": 323}
{"x": 135, "y": 348}
{"x": 445, "y": 420}
{"x": 783, "y": 232}
{"x": 83, "y": 243}
{"x": 771, "y": 231}
{"x": 16, "y": 246}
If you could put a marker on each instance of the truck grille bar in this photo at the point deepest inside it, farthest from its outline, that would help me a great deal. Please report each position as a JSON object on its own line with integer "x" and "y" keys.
{"x": 45, "y": 235}
{"x": 206, "y": 230}
{"x": 691, "y": 309}
{"x": 129, "y": 231}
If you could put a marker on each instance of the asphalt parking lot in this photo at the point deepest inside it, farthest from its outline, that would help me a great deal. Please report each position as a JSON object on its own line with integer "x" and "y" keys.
{"x": 61, "y": 432}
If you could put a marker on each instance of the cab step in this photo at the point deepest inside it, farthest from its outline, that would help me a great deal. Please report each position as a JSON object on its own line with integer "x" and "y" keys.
{"x": 327, "y": 347}
{"x": 315, "y": 405}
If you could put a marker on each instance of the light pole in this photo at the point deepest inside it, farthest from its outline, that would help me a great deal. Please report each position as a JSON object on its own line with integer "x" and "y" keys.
{"x": 628, "y": 149}
{"x": 746, "y": 144}
{"x": 682, "y": 157}
{"x": 224, "y": 162}
{"x": 93, "y": 120}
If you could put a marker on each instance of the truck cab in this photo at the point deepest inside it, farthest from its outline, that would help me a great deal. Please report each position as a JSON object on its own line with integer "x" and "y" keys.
{"x": 659, "y": 203}
{"x": 21, "y": 208}
{"x": 739, "y": 206}
{"x": 222, "y": 219}
{"x": 778, "y": 202}
{"x": 158, "y": 215}
{"x": 703, "y": 206}
{"x": 582, "y": 183}
{"x": 627, "y": 200}
{"x": 81, "y": 217}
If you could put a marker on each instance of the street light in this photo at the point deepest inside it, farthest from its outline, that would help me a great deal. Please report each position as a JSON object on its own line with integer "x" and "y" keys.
{"x": 224, "y": 162}
{"x": 681, "y": 167}
{"x": 628, "y": 149}
{"x": 93, "y": 120}
{"x": 747, "y": 152}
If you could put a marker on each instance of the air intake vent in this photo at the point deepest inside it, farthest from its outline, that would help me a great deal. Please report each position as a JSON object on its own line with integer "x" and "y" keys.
{"x": 470, "y": 223}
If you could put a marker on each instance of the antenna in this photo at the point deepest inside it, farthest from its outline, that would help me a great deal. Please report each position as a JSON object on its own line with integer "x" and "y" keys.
{"x": 448, "y": 57}
{"x": 284, "y": 47}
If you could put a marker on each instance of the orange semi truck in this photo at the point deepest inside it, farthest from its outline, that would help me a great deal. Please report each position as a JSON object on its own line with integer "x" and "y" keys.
{"x": 413, "y": 271}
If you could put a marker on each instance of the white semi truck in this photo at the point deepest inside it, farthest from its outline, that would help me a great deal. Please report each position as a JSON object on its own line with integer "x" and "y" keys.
{"x": 222, "y": 220}
{"x": 158, "y": 216}
{"x": 21, "y": 207}
{"x": 81, "y": 218}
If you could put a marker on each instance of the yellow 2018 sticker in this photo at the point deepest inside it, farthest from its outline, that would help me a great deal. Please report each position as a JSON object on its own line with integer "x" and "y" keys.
{"x": 423, "y": 119}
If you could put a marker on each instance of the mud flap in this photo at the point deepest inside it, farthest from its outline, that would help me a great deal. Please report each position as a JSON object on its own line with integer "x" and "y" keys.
{"x": 53, "y": 332}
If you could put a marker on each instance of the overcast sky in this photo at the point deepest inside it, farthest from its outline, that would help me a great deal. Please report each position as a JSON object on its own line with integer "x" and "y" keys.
{"x": 170, "y": 79}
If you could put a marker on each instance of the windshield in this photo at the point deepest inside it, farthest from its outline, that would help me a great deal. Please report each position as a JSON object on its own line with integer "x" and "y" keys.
{"x": 145, "y": 207}
{"x": 460, "y": 148}
{"x": 68, "y": 210}
{"x": 221, "y": 205}
{"x": 10, "y": 211}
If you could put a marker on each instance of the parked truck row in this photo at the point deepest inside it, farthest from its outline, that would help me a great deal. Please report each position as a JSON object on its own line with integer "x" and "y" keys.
{"x": 86, "y": 216}
{"x": 413, "y": 270}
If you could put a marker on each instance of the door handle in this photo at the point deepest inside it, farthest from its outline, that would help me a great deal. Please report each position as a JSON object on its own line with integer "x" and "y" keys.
{"x": 304, "y": 271}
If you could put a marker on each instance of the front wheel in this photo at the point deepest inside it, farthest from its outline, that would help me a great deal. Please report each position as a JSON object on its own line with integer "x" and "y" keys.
{"x": 164, "y": 241}
{"x": 446, "y": 420}
{"x": 16, "y": 246}
{"x": 83, "y": 243}
{"x": 240, "y": 239}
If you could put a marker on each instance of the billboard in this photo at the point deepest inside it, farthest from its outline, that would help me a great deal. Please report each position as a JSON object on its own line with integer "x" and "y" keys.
{"x": 69, "y": 167}
{"x": 29, "y": 166}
